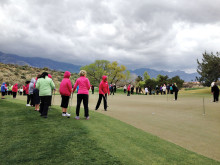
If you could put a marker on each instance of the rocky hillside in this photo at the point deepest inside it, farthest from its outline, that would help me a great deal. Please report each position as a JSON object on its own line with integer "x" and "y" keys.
{"x": 12, "y": 74}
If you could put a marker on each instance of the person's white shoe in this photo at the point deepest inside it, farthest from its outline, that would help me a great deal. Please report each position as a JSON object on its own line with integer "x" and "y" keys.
{"x": 28, "y": 105}
{"x": 87, "y": 118}
{"x": 66, "y": 114}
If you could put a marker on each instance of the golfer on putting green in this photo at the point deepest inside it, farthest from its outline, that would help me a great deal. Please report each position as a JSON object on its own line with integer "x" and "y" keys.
{"x": 83, "y": 94}
{"x": 103, "y": 90}
{"x": 65, "y": 92}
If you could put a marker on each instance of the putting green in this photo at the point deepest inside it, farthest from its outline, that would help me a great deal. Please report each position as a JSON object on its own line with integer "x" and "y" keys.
{"x": 181, "y": 122}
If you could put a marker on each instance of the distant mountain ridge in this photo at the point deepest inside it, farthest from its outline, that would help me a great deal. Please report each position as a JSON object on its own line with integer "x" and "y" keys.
{"x": 61, "y": 66}
{"x": 188, "y": 77}
{"x": 38, "y": 62}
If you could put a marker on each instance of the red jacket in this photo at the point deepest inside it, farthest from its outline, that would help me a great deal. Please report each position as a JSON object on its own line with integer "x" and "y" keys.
{"x": 15, "y": 88}
{"x": 103, "y": 86}
{"x": 27, "y": 89}
{"x": 129, "y": 88}
{"x": 65, "y": 85}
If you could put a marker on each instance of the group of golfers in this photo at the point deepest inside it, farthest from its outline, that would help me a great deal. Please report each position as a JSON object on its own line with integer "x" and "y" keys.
{"x": 39, "y": 92}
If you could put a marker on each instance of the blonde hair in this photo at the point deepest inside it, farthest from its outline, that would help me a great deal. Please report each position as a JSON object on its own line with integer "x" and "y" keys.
{"x": 82, "y": 73}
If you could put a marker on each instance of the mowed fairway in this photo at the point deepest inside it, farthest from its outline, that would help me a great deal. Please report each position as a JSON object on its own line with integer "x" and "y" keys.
{"x": 181, "y": 122}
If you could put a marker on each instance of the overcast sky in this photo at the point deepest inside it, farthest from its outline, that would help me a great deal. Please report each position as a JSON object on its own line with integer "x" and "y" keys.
{"x": 163, "y": 35}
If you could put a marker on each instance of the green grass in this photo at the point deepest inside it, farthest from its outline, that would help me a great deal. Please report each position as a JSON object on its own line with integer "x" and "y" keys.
{"x": 188, "y": 89}
{"x": 26, "y": 138}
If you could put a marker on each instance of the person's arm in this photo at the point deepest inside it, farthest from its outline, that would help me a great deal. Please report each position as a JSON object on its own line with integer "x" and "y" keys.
{"x": 88, "y": 84}
{"x": 75, "y": 85}
{"x": 69, "y": 86}
{"x": 52, "y": 84}
{"x": 101, "y": 89}
{"x": 37, "y": 85}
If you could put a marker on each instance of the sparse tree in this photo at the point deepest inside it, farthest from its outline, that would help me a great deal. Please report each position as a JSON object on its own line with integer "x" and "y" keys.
{"x": 209, "y": 68}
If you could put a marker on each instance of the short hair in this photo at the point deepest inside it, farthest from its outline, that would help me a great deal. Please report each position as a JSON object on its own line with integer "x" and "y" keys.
{"x": 212, "y": 84}
{"x": 82, "y": 73}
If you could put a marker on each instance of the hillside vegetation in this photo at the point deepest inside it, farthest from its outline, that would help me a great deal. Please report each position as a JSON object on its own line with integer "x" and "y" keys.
{"x": 12, "y": 74}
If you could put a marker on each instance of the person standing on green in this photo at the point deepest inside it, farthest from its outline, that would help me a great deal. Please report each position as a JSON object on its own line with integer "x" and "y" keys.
{"x": 45, "y": 86}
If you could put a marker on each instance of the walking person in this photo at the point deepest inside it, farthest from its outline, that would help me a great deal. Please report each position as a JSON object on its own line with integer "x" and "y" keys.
{"x": 83, "y": 94}
{"x": 27, "y": 93}
{"x": 31, "y": 91}
{"x": 136, "y": 89}
{"x": 103, "y": 91}
{"x": 24, "y": 93}
{"x": 114, "y": 88}
{"x": 20, "y": 91}
{"x": 92, "y": 88}
{"x": 171, "y": 89}
{"x": 132, "y": 89}
{"x": 168, "y": 88}
{"x": 161, "y": 90}
{"x": 14, "y": 90}
{"x": 175, "y": 90}
{"x": 129, "y": 90}
{"x": 125, "y": 88}
{"x": 10, "y": 89}
{"x": 146, "y": 90}
{"x": 36, "y": 95}
{"x": 215, "y": 91}
{"x": 65, "y": 92}
{"x": 3, "y": 88}
{"x": 157, "y": 89}
{"x": 139, "y": 90}
{"x": 45, "y": 86}
{"x": 164, "y": 88}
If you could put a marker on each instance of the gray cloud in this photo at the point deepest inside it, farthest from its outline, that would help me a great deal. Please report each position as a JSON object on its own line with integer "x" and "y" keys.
{"x": 164, "y": 34}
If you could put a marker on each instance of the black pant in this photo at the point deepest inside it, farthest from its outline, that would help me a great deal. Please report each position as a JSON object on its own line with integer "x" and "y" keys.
{"x": 92, "y": 91}
{"x": 28, "y": 98}
{"x": 176, "y": 94}
{"x": 85, "y": 99}
{"x": 128, "y": 93}
{"x": 14, "y": 94}
{"x": 100, "y": 99}
{"x": 44, "y": 103}
{"x": 215, "y": 95}
{"x": 65, "y": 101}
{"x": 32, "y": 99}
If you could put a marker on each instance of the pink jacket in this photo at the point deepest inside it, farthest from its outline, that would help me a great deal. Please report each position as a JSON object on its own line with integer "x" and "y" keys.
{"x": 65, "y": 85}
{"x": 129, "y": 88}
{"x": 15, "y": 88}
{"x": 84, "y": 85}
{"x": 103, "y": 86}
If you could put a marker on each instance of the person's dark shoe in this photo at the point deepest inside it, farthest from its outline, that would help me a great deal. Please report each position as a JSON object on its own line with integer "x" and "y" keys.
{"x": 45, "y": 116}
{"x": 96, "y": 109}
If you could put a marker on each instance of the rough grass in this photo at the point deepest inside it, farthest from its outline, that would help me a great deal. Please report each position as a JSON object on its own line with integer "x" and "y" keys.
{"x": 26, "y": 138}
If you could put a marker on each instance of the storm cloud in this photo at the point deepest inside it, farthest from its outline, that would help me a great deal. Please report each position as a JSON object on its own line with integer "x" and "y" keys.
{"x": 163, "y": 35}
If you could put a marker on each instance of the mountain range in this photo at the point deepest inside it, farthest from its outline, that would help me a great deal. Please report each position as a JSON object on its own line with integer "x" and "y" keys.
{"x": 38, "y": 62}
{"x": 61, "y": 66}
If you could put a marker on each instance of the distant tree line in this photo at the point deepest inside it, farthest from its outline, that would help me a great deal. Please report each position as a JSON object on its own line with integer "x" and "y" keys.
{"x": 146, "y": 81}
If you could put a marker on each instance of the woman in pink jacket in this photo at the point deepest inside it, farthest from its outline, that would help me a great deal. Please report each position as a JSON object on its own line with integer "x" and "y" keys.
{"x": 103, "y": 90}
{"x": 14, "y": 90}
{"x": 65, "y": 91}
{"x": 129, "y": 90}
{"x": 83, "y": 94}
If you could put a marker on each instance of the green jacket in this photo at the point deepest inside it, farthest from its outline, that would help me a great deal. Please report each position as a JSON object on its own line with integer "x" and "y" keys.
{"x": 10, "y": 88}
{"x": 45, "y": 86}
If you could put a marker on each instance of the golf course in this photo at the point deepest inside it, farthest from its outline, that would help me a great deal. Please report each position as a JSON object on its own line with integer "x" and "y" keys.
{"x": 139, "y": 129}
